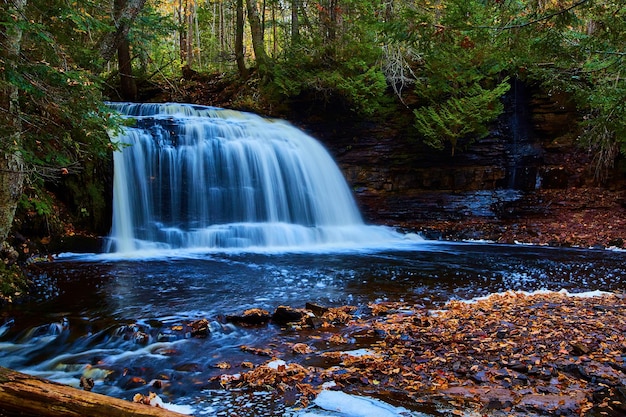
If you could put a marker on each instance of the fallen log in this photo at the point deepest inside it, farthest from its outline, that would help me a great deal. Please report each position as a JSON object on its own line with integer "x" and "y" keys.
{"x": 26, "y": 395}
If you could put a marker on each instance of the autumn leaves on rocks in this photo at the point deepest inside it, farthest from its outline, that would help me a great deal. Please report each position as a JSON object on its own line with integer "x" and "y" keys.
{"x": 508, "y": 354}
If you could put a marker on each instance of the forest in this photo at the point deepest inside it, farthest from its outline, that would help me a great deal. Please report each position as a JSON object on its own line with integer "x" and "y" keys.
{"x": 430, "y": 80}
{"x": 448, "y": 63}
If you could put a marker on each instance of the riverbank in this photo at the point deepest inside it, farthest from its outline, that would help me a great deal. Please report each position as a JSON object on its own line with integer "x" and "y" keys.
{"x": 512, "y": 354}
{"x": 585, "y": 217}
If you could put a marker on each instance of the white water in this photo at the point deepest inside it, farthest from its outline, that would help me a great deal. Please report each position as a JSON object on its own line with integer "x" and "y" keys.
{"x": 203, "y": 177}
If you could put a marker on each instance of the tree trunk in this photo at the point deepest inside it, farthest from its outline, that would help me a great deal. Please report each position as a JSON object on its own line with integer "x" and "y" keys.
{"x": 28, "y": 396}
{"x": 123, "y": 21}
{"x": 295, "y": 24}
{"x": 239, "y": 56}
{"x": 11, "y": 163}
{"x": 257, "y": 36}
{"x": 124, "y": 60}
{"x": 191, "y": 11}
{"x": 127, "y": 80}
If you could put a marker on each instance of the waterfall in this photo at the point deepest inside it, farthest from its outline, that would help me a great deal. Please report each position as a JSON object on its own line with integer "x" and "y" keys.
{"x": 190, "y": 176}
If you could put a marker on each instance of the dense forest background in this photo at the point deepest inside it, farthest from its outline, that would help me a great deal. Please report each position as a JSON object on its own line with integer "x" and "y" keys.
{"x": 444, "y": 64}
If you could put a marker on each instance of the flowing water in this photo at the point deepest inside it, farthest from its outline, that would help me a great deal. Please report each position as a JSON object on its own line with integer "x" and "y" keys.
{"x": 203, "y": 177}
{"x": 216, "y": 238}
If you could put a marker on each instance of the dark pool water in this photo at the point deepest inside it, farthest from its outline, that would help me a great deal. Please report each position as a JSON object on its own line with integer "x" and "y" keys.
{"x": 121, "y": 321}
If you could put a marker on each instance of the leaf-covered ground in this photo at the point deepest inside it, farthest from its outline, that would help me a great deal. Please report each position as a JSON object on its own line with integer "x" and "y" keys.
{"x": 574, "y": 217}
{"x": 508, "y": 354}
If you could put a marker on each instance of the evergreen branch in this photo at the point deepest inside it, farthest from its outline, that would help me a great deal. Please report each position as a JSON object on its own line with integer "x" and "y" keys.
{"x": 540, "y": 19}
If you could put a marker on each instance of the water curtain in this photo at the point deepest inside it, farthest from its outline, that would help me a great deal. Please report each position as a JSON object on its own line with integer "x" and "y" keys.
{"x": 202, "y": 177}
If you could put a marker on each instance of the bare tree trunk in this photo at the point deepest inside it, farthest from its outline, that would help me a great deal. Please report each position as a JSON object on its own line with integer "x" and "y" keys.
{"x": 295, "y": 25}
{"x": 190, "y": 12}
{"x": 182, "y": 33}
{"x": 127, "y": 80}
{"x": 11, "y": 163}
{"x": 274, "y": 32}
{"x": 124, "y": 61}
{"x": 257, "y": 36}
{"x": 196, "y": 26}
{"x": 239, "y": 56}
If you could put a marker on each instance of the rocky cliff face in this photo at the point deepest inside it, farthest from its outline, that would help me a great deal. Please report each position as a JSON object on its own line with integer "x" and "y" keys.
{"x": 512, "y": 177}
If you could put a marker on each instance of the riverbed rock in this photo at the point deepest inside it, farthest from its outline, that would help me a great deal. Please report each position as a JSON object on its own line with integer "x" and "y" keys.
{"x": 199, "y": 328}
{"x": 251, "y": 317}
{"x": 285, "y": 315}
{"x": 316, "y": 309}
{"x": 552, "y": 404}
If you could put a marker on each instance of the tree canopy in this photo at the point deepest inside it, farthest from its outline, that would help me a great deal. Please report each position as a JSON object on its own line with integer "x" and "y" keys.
{"x": 449, "y": 61}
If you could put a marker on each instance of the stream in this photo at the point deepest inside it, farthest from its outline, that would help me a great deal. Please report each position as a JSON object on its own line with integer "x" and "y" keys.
{"x": 122, "y": 321}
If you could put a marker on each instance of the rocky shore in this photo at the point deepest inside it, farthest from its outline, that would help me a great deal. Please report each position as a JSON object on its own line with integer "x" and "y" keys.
{"x": 586, "y": 217}
{"x": 509, "y": 354}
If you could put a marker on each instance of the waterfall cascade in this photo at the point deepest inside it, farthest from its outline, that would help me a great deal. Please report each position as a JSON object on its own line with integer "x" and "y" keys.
{"x": 205, "y": 177}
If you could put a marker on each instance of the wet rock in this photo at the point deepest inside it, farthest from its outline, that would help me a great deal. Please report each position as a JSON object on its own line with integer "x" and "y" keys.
{"x": 578, "y": 349}
{"x": 86, "y": 383}
{"x": 200, "y": 328}
{"x": 610, "y": 402}
{"x": 316, "y": 309}
{"x": 188, "y": 367}
{"x": 252, "y": 317}
{"x": 142, "y": 338}
{"x": 134, "y": 382}
{"x": 497, "y": 404}
{"x": 284, "y": 315}
{"x": 597, "y": 372}
{"x": 8, "y": 254}
{"x": 480, "y": 377}
{"x": 484, "y": 395}
{"x": 314, "y": 322}
{"x": 551, "y": 404}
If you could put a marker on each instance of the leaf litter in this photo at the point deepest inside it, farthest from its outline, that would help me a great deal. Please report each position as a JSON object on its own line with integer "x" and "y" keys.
{"x": 514, "y": 354}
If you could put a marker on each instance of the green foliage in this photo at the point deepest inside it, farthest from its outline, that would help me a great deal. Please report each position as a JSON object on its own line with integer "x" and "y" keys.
{"x": 458, "y": 70}
{"x": 64, "y": 121}
{"x": 13, "y": 282}
{"x": 456, "y": 53}
{"x": 338, "y": 64}
{"x": 154, "y": 56}
{"x": 580, "y": 47}
{"x": 352, "y": 82}
{"x": 38, "y": 203}
{"x": 465, "y": 116}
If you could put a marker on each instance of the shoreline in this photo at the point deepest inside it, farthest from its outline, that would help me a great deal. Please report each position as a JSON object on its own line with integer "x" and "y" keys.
{"x": 515, "y": 354}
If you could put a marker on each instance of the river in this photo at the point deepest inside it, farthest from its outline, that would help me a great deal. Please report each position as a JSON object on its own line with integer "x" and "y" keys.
{"x": 122, "y": 321}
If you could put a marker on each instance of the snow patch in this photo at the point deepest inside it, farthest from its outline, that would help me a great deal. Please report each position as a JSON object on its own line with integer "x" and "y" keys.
{"x": 275, "y": 364}
{"x": 340, "y": 404}
{"x": 359, "y": 353}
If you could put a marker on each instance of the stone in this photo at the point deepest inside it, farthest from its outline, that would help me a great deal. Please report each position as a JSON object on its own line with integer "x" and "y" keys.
{"x": 200, "y": 328}
{"x": 252, "y": 317}
{"x": 285, "y": 315}
{"x": 551, "y": 404}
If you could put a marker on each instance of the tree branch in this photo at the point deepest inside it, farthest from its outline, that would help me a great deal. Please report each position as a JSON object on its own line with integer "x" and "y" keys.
{"x": 541, "y": 19}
